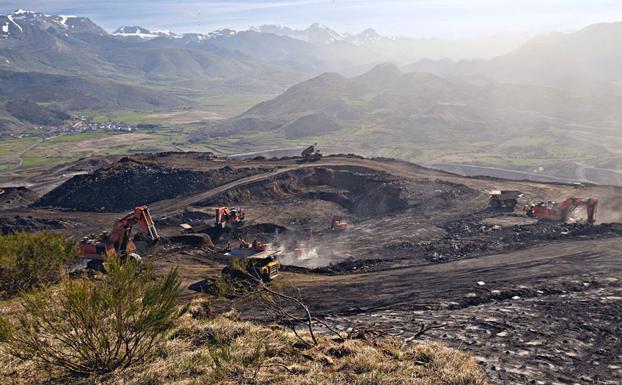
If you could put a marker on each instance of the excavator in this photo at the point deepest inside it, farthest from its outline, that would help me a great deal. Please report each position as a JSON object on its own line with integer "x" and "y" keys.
{"x": 121, "y": 240}
{"x": 224, "y": 215}
{"x": 560, "y": 211}
{"x": 338, "y": 225}
{"x": 311, "y": 154}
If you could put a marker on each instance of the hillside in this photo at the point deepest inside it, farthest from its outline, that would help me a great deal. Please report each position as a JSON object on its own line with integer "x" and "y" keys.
{"x": 586, "y": 59}
{"x": 385, "y": 112}
{"x": 162, "y": 70}
{"x": 421, "y": 247}
{"x": 224, "y": 350}
{"x": 72, "y": 62}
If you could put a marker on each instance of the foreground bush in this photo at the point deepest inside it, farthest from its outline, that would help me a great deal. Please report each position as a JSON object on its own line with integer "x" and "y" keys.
{"x": 227, "y": 351}
{"x": 28, "y": 260}
{"x": 96, "y": 327}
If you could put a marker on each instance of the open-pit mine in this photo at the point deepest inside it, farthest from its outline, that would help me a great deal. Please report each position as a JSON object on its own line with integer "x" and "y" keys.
{"x": 372, "y": 242}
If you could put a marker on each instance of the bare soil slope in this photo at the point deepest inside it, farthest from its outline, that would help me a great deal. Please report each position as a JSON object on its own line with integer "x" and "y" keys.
{"x": 422, "y": 245}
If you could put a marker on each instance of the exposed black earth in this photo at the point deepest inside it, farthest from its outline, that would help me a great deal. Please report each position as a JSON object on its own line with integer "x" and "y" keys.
{"x": 535, "y": 302}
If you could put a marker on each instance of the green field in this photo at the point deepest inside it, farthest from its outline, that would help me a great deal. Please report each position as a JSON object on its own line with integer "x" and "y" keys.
{"x": 11, "y": 147}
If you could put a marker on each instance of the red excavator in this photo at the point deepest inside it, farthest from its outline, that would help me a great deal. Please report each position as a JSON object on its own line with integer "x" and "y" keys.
{"x": 226, "y": 215}
{"x": 121, "y": 240}
{"x": 339, "y": 225}
{"x": 560, "y": 211}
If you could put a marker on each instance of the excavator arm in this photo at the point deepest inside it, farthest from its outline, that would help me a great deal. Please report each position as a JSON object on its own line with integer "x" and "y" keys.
{"x": 232, "y": 215}
{"x": 561, "y": 211}
{"x": 569, "y": 205}
{"x": 120, "y": 241}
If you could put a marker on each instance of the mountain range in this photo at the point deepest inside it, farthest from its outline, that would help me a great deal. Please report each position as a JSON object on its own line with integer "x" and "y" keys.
{"x": 554, "y": 101}
{"x": 418, "y": 107}
{"x": 554, "y": 97}
{"x": 585, "y": 59}
{"x": 56, "y": 62}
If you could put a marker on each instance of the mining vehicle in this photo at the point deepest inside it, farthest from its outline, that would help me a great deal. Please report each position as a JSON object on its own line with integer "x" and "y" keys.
{"x": 504, "y": 198}
{"x": 560, "y": 211}
{"x": 311, "y": 154}
{"x": 120, "y": 241}
{"x": 338, "y": 225}
{"x": 255, "y": 246}
{"x": 264, "y": 265}
{"x": 231, "y": 215}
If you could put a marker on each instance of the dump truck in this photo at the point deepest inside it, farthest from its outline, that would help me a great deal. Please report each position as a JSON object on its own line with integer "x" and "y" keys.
{"x": 262, "y": 265}
{"x": 504, "y": 198}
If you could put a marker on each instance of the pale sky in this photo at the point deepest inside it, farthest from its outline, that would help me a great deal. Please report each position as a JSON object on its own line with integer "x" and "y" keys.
{"x": 414, "y": 18}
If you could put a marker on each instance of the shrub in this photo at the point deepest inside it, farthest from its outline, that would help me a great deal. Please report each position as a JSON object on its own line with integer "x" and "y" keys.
{"x": 28, "y": 260}
{"x": 5, "y": 329}
{"x": 97, "y": 327}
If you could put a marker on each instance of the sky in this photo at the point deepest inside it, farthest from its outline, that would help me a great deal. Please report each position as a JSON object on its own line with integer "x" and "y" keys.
{"x": 412, "y": 18}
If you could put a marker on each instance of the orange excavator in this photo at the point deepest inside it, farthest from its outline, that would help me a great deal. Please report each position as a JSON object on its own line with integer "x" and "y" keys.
{"x": 121, "y": 240}
{"x": 338, "y": 225}
{"x": 226, "y": 215}
{"x": 560, "y": 211}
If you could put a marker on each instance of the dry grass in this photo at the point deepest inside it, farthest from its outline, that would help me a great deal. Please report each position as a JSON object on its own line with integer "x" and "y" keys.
{"x": 225, "y": 350}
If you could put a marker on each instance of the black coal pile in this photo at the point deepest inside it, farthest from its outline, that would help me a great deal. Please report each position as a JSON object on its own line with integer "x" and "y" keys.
{"x": 11, "y": 197}
{"x": 128, "y": 183}
{"x": 192, "y": 217}
{"x": 469, "y": 238}
{"x": 29, "y": 224}
{"x": 363, "y": 192}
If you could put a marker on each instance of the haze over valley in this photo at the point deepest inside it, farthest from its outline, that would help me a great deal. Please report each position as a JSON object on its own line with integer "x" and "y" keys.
{"x": 543, "y": 105}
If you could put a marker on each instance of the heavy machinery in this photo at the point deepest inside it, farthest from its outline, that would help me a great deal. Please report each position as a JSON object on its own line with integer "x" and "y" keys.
{"x": 262, "y": 265}
{"x": 311, "y": 154}
{"x": 255, "y": 246}
{"x": 504, "y": 198}
{"x": 233, "y": 216}
{"x": 338, "y": 225}
{"x": 560, "y": 211}
{"x": 120, "y": 241}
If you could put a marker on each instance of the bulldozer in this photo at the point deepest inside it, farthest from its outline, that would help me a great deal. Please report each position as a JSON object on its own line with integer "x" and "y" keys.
{"x": 560, "y": 211}
{"x": 504, "y": 199}
{"x": 311, "y": 154}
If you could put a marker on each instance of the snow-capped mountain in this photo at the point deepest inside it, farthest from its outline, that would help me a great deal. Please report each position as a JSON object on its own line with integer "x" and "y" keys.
{"x": 146, "y": 34}
{"x": 316, "y": 33}
{"x": 21, "y": 23}
{"x": 140, "y": 32}
{"x": 320, "y": 34}
{"x": 368, "y": 36}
